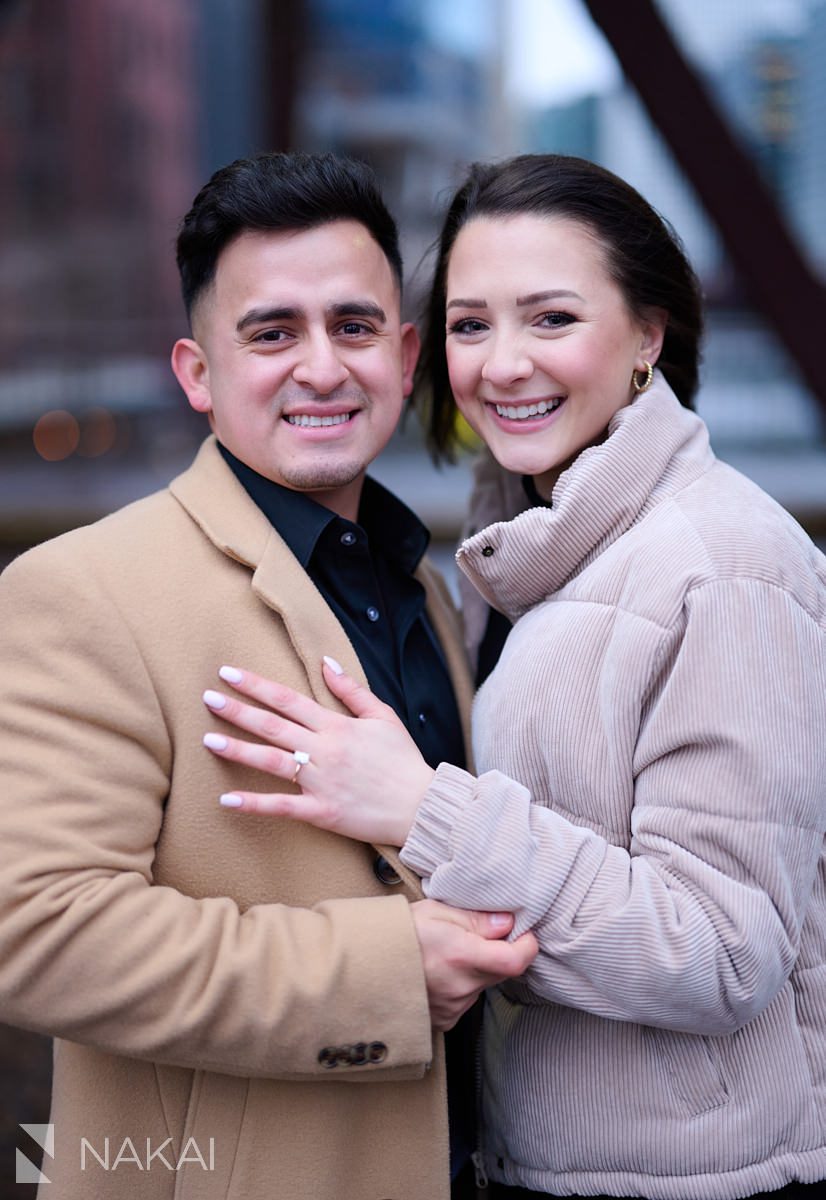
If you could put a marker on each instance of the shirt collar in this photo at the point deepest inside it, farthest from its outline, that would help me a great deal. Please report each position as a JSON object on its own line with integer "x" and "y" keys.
{"x": 392, "y": 528}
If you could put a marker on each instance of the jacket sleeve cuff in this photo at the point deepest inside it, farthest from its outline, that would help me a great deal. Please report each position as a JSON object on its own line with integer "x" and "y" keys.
{"x": 428, "y": 844}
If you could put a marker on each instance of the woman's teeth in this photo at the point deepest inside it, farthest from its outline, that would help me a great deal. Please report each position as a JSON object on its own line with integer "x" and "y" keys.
{"x": 303, "y": 419}
{"x": 521, "y": 411}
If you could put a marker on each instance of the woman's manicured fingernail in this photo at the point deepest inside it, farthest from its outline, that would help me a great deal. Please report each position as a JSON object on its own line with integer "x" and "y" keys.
{"x": 214, "y": 699}
{"x": 215, "y": 741}
{"x": 334, "y": 666}
{"x": 500, "y": 920}
{"x": 231, "y": 674}
{"x": 230, "y": 801}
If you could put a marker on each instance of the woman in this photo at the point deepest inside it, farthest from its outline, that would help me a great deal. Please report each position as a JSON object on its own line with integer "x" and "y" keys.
{"x": 651, "y": 795}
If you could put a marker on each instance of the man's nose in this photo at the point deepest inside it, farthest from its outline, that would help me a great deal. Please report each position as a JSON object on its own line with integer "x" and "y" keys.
{"x": 320, "y": 366}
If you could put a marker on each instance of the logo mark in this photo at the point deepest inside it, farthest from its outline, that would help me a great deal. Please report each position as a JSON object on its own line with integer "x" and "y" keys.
{"x": 25, "y": 1170}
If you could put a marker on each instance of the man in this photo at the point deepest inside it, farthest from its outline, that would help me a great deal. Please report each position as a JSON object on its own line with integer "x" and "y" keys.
{"x": 244, "y": 1008}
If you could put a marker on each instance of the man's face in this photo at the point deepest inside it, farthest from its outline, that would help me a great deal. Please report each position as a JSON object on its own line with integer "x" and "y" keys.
{"x": 300, "y": 358}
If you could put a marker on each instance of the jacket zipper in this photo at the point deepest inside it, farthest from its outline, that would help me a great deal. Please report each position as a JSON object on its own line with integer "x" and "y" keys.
{"x": 478, "y": 1157}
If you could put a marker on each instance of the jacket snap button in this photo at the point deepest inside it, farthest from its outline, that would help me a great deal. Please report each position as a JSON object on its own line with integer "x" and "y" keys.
{"x": 384, "y": 872}
{"x": 488, "y": 550}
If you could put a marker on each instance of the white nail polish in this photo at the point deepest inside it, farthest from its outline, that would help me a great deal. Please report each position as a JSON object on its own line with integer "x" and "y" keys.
{"x": 231, "y": 674}
{"x": 230, "y": 801}
{"x": 214, "y": 699}
{"x": 334, "y": 666}
{"x": 215, "y": 741}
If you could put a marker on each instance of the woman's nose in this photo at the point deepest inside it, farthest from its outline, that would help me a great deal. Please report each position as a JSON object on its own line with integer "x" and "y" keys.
{"x": 506, "y": 364}
{"x": 320, "y": 366}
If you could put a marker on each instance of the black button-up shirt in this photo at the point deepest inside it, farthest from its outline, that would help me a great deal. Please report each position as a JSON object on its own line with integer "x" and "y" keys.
{"x": 365, "y": 571}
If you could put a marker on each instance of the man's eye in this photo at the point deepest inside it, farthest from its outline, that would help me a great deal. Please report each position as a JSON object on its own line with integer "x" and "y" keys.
{"x": 354, "y": 328}
{"x": 270, "y": 335}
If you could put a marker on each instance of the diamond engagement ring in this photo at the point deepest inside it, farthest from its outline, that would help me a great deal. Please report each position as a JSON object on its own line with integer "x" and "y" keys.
{"x": 301, "y": 757}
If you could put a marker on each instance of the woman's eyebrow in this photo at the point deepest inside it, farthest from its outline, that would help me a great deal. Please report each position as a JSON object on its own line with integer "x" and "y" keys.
{"x": 467, "y": 304}
{"x": 533, "y": 298}
{"x": 554, "y": 294}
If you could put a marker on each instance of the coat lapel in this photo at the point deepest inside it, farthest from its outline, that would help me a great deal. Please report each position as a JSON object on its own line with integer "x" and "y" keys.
{"x": 218, "y": 503}
{"x": 235, "y": 525}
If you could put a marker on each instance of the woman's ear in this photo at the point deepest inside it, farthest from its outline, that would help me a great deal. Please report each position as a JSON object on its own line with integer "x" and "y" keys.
{"x": 653, "y": 327}
{"x": 189, "y": 363}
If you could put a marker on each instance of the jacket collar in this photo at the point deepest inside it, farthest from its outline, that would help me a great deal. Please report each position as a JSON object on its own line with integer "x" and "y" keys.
{"x": 220, "y": 506}
{"x": 654, "y": 446}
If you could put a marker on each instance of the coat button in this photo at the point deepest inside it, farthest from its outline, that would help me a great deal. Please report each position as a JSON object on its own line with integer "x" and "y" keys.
{"x": 377, "y": 1052}
{"x": 348, "y": 538}
{"x": 487, "y": 551}
{"x": 384, "y": 871}
{"x": 357, "y": 1056}
{"x": 328, "y": 1057}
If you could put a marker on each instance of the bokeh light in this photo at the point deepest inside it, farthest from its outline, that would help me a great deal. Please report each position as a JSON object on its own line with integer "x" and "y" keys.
{"x": 98, "y": 432}
{"x": 56, "y": 435}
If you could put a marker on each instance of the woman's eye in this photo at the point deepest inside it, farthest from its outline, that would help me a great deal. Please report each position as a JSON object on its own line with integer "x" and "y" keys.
{"x": 556, "y": 320}
{"x": 467, "y": 325}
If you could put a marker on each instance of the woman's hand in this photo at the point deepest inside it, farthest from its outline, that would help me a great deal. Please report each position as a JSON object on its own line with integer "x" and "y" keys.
{"x": 364, "y": 776}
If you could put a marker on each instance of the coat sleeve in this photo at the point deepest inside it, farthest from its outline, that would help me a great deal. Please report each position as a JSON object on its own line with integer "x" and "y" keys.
{"x": 91, "y": 949}
{"x": 697, "y": 924}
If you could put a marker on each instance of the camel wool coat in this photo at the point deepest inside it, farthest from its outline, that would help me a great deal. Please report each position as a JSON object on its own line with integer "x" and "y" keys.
{"x": 199, "y": 968}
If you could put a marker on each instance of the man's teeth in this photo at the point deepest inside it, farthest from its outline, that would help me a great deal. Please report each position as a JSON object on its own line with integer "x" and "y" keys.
{"x": 303, "y": 419}
{"x": 519, "y": 412}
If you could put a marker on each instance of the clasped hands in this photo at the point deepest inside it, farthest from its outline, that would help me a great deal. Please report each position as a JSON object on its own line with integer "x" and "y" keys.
{"x": 364, "y": 779}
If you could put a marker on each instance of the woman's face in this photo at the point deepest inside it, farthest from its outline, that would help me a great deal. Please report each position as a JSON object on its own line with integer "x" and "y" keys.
{"x": 541, "y": 344}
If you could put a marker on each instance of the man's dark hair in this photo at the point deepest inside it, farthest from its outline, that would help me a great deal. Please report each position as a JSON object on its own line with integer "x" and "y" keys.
{"x": 643, "y": 254}
{"x": 279, "y": 192}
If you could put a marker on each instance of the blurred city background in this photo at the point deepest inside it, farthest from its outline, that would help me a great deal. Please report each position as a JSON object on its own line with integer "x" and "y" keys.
{"x": 114, "y": 113}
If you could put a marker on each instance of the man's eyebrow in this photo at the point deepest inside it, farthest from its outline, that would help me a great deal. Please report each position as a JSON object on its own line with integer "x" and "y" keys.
{"x": 289, "y": 312}
{"x": 357, "y": 308}
{"x": 259, "y": 316}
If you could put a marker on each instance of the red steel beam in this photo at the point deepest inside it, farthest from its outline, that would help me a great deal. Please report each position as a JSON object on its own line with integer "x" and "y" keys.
{"x": 769, "y": 262}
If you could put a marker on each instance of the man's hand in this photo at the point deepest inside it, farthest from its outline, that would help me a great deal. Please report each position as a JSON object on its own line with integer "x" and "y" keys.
{"x": 462, "y": 955}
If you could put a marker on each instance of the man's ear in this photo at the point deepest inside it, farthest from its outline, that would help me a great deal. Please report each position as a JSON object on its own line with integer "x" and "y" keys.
{"x": 189, "y": 362}
{"x": 653, "y": 334}
{"x": 410, "y": 355}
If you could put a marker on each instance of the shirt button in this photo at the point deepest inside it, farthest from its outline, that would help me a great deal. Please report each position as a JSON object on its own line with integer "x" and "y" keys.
{"x": 488, "y": 550}
{"x": 373, "y": 613}
{"x": 348, "y": 538}
{"x": 384, "y": 872}
{"x": 422, "y": 718}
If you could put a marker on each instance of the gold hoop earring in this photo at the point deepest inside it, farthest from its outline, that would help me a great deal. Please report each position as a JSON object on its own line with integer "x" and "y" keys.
{"x": 639, "y": 388}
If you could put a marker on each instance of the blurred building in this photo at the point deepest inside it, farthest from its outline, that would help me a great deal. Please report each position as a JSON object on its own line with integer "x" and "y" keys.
{"x": 377, "y": 84}
{"x": 97, "y": 155}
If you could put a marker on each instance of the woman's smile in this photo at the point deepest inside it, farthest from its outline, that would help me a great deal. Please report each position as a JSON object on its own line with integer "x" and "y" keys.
{"x": 526, "y": 416}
